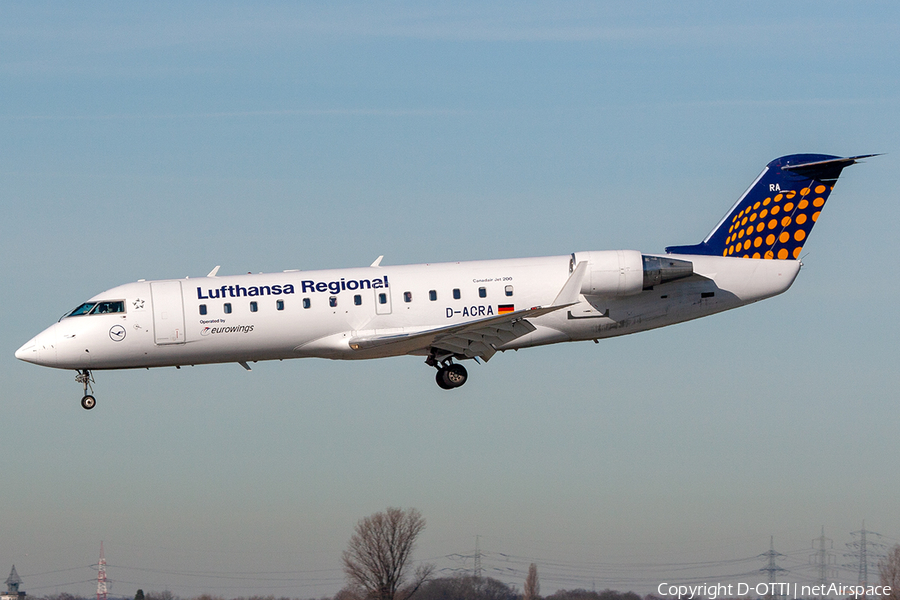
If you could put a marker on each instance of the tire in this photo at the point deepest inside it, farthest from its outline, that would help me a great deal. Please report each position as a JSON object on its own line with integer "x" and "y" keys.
{"x": 88, "y": 402}
{"x": 439, "y": 379}
{"x": 455, "y": 375}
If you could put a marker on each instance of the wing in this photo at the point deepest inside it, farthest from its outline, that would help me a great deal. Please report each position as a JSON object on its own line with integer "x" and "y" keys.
{"x": 475, "y": 338}
{"x": 479, "y": 338}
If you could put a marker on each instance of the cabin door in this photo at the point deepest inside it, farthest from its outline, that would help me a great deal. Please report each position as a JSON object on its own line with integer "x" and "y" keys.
{"x": 168, "y": 312}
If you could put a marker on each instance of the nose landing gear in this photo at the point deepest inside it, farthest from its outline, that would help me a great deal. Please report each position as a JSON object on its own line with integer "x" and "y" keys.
{"x": 85, "y": 378}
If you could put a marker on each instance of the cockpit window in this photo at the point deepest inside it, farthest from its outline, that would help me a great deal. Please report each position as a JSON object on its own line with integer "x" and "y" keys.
{"x": 82, "y": 310}
{"x": 117, "y": 306}
{"x": 98, "y": 308}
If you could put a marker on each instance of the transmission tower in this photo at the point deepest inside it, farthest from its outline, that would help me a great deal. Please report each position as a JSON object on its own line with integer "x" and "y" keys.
{"x": 477, "y": 568}
{"x": 102, "y": 588}
{"x": 863, "y": 549}
{"x": 771, "y": 568}
{"x": 824, "y": 560}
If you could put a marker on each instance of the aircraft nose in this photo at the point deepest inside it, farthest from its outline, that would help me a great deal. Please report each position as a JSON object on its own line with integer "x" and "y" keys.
{"x": 39, "y": 350}
{"x": 28, "y": 352}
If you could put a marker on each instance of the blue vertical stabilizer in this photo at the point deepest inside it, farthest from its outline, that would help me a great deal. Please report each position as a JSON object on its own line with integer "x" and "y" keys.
{"x": 775, "y": 215}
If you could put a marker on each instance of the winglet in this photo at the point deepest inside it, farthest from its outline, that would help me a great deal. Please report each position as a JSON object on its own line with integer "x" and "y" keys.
{"x": 214, "y": 271}
{"x": 572, "y": 289}
{"x": 377, "y": 262}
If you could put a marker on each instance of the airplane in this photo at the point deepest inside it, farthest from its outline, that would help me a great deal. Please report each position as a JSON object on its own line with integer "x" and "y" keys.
{"x": 449, "y": 312}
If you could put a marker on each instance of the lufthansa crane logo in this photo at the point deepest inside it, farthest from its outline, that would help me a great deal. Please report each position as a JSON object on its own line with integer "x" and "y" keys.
{"x": 117, "y": 333}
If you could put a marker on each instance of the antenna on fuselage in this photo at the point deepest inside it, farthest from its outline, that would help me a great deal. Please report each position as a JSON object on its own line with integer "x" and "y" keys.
{"x": 377, "y": 262}
{"x": 214, "y": 271}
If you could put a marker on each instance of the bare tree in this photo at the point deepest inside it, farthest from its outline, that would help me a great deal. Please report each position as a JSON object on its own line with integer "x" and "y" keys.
{"x": 532, "y": 585}
{"x": 376, "y": 560}
{"x": 889, "y": 572}
{"x": 348, "y": 594}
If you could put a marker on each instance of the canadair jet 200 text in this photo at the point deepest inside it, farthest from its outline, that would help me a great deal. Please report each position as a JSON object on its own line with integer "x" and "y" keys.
{"x": 451, "y": 311}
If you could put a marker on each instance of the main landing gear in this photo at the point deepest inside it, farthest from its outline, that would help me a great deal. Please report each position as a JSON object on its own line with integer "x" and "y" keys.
{"x": 449, "y": 374}
{"x": 85, "y": 378}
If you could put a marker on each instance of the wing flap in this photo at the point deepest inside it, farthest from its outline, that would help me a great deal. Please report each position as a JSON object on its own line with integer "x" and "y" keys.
{"x": 483, "y": 340}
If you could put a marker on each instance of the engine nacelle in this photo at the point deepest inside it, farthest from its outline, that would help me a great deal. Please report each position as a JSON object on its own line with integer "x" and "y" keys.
{"x": 627, "y": 272}
{"x": 612, "y": 272}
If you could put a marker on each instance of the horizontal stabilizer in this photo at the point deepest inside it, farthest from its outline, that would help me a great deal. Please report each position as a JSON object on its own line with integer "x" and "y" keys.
{"x": 826, "y": 171}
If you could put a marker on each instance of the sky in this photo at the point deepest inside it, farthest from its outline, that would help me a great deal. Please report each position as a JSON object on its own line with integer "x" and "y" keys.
{"x": 158, "y": 140}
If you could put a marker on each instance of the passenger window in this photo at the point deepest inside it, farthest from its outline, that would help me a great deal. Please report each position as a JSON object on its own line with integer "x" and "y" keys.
{"x": 382, "y": 298}
{"x": 509, "y": 290}
{"x": 332, "y": 301}
{"x": 432, "y": 295}
{"x": 407, "y": 296}
{"x": 357, "y": 300}
{"x": 253, "y": 307}
{"x": 279, "y": 305}
{"x": 227, "y": 308}
{"x": 482, "y": 292}
{"x": 202, "y": 309}
{"x": 456, "y": 294}
{"x": 306, "y": 303}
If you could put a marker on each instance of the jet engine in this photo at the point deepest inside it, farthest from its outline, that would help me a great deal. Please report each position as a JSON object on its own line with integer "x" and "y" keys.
{"x": 627, "y": 272}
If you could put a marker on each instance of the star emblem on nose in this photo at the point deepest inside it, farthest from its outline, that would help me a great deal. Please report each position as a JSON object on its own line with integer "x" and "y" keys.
{"x": 138, "y": 303}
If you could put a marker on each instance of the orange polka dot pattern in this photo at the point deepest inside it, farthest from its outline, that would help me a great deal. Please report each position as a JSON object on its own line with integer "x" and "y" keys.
{"x": 774, "y": 217}
{"x": 777, "y": 226}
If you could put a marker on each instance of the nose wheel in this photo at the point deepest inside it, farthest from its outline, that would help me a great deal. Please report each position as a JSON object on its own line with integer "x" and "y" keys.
{"x": 85, "y": 378}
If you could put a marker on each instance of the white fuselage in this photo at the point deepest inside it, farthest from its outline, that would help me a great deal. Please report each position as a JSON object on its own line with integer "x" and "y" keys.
{"x": 297, "y": 314}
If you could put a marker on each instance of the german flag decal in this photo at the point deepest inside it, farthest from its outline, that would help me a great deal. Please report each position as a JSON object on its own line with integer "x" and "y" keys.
{"x": 506, "y": 308}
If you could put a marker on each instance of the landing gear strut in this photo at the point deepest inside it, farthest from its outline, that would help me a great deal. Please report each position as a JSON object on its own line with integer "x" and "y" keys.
{"x": 85, "y": 378}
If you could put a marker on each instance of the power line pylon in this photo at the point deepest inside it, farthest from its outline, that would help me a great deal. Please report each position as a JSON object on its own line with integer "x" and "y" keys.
{"x": 102, "y": 587}
{"x": 824, "y": 560}
{"x": 477, "y": 568}
{"x": 771, "y": 567}
{"x": 864, "y": 550}
{"x": 863, "y": 559}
